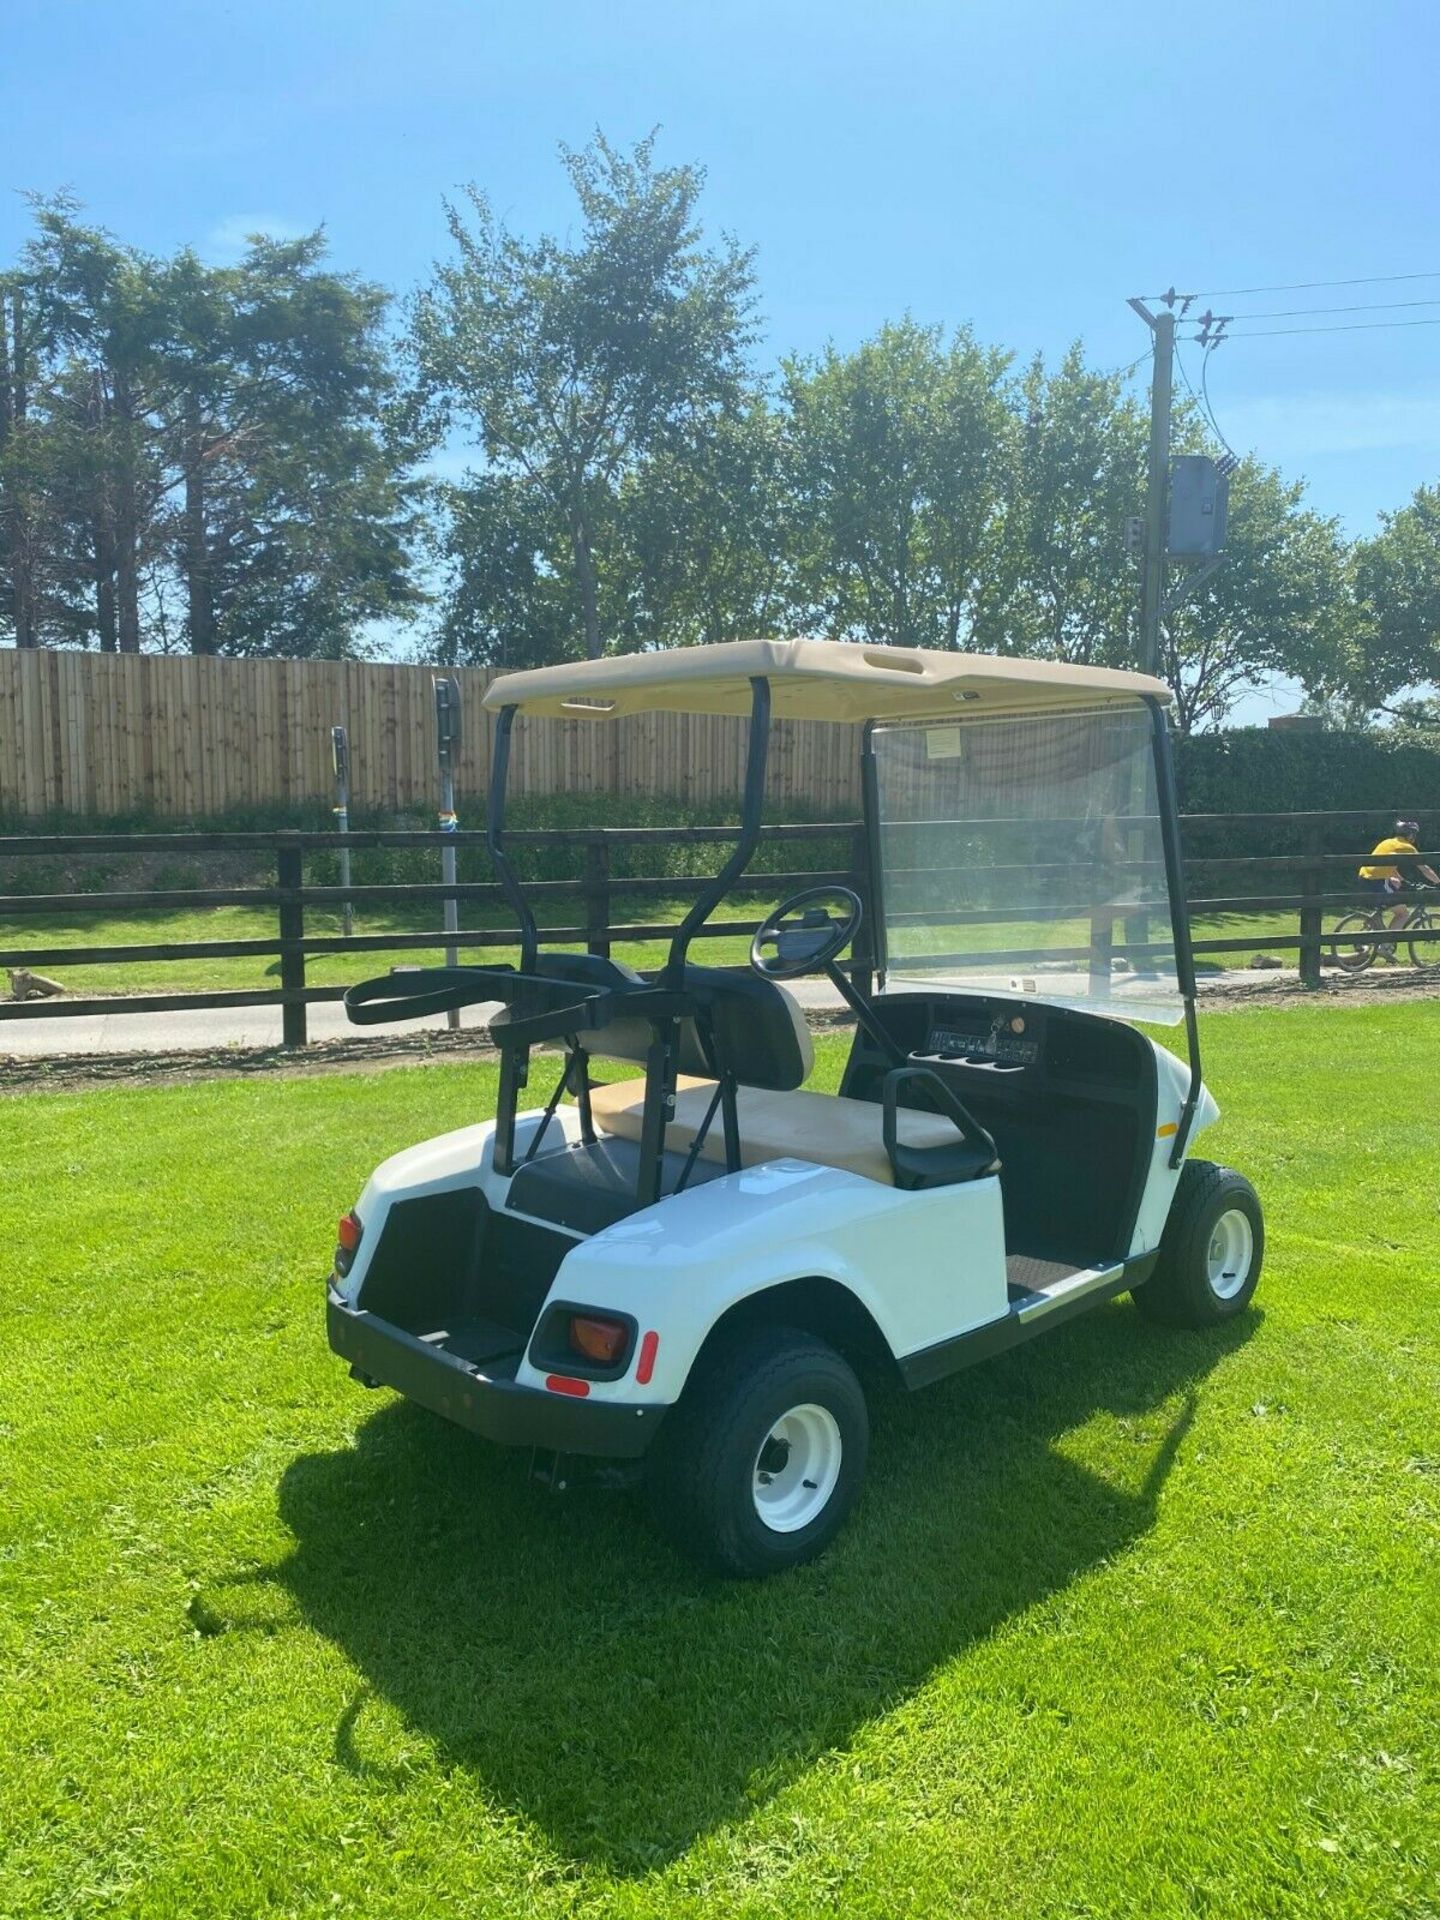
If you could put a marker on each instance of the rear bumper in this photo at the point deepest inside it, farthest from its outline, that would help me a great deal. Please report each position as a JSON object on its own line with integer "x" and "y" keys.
{"x": 500, "y": 1410}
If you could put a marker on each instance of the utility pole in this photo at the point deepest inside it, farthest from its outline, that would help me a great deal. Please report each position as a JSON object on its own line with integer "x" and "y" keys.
{"x": 447, "y": 740}
{"x": 1152, "y": 579}
{"x": 340, "y": 755}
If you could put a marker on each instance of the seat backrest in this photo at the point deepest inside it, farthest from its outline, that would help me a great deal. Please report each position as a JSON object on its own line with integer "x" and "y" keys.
{"x": 759, "y": 1032}
{"x": 761, "y": 1035}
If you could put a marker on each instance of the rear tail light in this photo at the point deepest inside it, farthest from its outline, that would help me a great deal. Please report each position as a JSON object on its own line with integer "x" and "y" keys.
{"x": 602, "y": 1341}
{"x": 348, "y": 1236}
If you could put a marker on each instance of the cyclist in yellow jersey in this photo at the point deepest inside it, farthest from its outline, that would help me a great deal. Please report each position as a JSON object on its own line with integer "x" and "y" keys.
{"x": 1382, "y": 874}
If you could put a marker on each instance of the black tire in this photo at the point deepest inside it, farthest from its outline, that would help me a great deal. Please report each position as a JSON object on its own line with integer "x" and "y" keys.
{"x": 703, "y": 1473}
{"x": 1424, "y": 953}
{"x": 1186, "y": 1290}
{"x": 1355, "y": 956}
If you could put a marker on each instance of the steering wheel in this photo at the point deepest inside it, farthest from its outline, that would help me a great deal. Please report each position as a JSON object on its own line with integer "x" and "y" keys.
{"x": 805, "y": 935}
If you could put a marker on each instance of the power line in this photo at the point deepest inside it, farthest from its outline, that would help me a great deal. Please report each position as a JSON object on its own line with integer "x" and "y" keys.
{"x": 1359, "y": 326}
{"x": 1368, "y": 306}
{"x": 1302, "y": 286}
{"x": 1209, "y": 410}
{"x": 1202, "y": 399}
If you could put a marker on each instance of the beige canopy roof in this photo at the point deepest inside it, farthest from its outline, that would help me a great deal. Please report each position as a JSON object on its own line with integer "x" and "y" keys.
{"x": 816, "y": 680}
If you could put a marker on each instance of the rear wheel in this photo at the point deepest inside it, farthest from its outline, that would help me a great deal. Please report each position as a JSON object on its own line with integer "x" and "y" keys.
{"x": 758, "y": 1467}
{"x": 1352, "y": 945}
{"x": 1210, "y": 1253}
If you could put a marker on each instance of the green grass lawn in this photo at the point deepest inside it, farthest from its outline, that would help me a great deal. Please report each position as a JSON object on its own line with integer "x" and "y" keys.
{"x": 83, "y": 928}
{"x": 1129, "y": 1623}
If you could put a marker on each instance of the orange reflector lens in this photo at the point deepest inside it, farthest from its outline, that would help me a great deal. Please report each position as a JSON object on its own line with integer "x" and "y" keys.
{"x": 348, "y": 1232}
{"x": 1164, "y": 1133}
{"x": 602, "y": 1341}
{"x": 562, "y": 1383}
{"x": 645, "y": 1366}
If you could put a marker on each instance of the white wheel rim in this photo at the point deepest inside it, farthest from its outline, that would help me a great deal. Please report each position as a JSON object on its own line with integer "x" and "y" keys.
{"x": 1230, "y": 1253}
{"x": 796, "y": 1468}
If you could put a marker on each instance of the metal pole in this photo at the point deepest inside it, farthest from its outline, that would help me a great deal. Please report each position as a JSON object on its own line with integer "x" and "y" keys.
{"x": 447, "y": 720}
{"x": 1152, "y": 584}
{"x": 448, "y": 824}
{"x": 340, "y": 753}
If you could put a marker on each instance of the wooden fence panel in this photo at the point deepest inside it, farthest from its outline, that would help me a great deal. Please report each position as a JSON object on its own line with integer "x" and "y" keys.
{"x": 182, "y": 738}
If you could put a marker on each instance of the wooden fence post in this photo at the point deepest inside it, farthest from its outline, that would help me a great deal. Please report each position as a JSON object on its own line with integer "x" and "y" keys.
{"x": 597, "y": 897}
{"x": 1312, "y": 918}
{"x": 290, "y": 875}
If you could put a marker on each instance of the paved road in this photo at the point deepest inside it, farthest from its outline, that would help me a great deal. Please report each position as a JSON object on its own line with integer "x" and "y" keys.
{"x": 217, "y": 1027}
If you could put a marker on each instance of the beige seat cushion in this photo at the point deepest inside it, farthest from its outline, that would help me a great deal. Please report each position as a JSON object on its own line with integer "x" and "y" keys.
{"x": 775, "y": 1126}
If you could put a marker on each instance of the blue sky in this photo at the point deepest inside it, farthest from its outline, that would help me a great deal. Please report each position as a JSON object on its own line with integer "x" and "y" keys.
{"x": 1019, "y": 166}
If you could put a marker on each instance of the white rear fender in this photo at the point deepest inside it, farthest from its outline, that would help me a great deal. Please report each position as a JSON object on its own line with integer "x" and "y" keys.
{"x": 923, "y": 1265}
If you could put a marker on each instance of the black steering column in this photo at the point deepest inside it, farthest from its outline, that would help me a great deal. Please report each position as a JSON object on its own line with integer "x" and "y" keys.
{"x": 808, "y": 937}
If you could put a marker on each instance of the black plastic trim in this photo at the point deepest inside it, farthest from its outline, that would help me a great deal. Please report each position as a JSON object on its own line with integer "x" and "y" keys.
{"x": 558, "y": 1356}
{"x": 497, "y": 1409}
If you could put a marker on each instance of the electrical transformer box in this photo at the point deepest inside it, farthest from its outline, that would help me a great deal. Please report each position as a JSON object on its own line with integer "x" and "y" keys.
{"x": 1199, "y": 493}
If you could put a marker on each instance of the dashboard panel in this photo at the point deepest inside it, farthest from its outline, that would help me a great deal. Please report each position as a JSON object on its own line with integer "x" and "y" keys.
{"x": 1068, "y": 1096}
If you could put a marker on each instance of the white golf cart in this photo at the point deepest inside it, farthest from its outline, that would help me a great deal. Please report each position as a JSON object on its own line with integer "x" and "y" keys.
{"x": 693, "y": 1267}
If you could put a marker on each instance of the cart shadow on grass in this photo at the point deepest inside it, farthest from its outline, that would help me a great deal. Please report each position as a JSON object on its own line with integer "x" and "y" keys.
{"x": 601, "y": 1689}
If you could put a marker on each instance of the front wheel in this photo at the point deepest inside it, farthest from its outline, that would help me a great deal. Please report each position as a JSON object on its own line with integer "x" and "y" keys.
{"x": 1352, "y": 945}
{"x": 1210, "y": 1253}
{"x": 1424, "y": 953}
{"x": 758, "y": 1467}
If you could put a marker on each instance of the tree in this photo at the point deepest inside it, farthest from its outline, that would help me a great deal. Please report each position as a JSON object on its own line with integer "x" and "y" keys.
{"x": 1397, "y": 633}
{"x": 701, "y": 535}
{"x": 290, "y": 517}
{"x": 193, "y": 451}
{"x": 571, "y": 362}
{"x": 899, "y": 457}
{"x": 510, "y": 598}
{"x": 1061, "y": 585}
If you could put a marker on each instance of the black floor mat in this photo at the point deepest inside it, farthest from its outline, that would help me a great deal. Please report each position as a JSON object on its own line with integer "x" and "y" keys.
{"x": 1028, "y": 1274}
{"x": 480, "y": 1341}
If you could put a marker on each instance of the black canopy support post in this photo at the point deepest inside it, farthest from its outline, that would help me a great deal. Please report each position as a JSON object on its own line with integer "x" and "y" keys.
{"x": 514, "y": 1073}
{"x": 1179, "y": 915}
{"x": 874, "y": 894}
{"x": 290, "y": 878}
{"x": 577, "y": 1073}
{"x": 862, "y": 963}
{"x": 495, "y": 842}
{"x": 752, "y": 809}
{"x": 659, "y": 1110}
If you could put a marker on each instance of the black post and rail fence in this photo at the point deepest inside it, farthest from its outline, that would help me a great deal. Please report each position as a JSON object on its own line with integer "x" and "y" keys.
{"x": 1315, "y": 887}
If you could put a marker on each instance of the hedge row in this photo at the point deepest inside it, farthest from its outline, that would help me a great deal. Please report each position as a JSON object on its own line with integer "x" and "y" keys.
{"x": 1264, "y": 770}
{"x": 1251, "y": 770}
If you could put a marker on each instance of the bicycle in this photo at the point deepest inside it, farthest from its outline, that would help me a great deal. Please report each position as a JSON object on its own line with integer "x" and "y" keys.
{"x": 1353, "y": 952}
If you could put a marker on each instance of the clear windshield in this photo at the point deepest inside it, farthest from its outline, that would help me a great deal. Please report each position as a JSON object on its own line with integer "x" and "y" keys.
{"x": 1025, "y": 856}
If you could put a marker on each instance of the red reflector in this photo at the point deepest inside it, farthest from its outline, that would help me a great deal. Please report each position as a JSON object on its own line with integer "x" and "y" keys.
{"x": 562, "y": 1383}
{"x": 645, "y": 1366}
{"x": 348, "y": 1232}
{"x": 600, "y": 1340}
